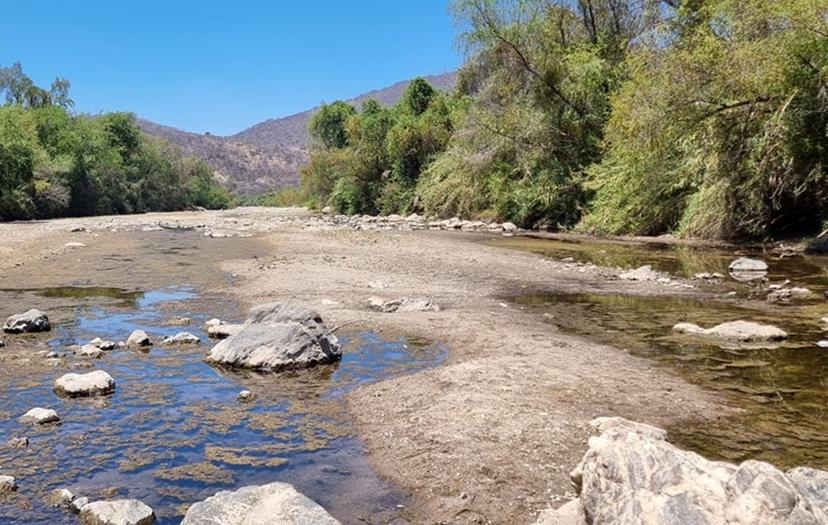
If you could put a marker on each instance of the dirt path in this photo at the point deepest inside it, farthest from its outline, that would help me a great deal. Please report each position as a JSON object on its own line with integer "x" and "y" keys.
{"x": 490, "y": 436}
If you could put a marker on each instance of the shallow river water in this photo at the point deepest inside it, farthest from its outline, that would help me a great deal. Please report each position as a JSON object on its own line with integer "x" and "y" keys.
{"x": 782, "y": 389}
{"x": 173, "y": 432}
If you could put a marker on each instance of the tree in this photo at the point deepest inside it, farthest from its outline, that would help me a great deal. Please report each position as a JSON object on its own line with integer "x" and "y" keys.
{"x": 328, "y": 124}
{"x": 418, "y": 96}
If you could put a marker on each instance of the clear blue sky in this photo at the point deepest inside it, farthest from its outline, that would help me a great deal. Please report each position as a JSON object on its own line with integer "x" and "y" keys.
{"x": 221, "y": 66}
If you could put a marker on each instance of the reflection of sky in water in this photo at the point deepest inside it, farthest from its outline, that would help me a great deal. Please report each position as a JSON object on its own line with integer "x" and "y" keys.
{"x": 173, "y": 432}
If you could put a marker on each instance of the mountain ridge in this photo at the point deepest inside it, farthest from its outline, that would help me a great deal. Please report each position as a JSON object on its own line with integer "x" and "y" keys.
{"x": 269, "y": 155}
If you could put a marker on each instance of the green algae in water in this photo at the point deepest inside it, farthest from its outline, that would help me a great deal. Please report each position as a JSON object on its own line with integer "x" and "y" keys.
{"x": 782, "y": 388}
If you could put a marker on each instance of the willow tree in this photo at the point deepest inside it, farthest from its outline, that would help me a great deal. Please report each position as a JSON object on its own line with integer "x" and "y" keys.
{"x": 721, "y": 130}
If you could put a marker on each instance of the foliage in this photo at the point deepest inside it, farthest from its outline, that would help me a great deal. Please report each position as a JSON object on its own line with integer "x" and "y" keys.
{"x": 724, "y": 133}
{"x": 54, "y": 163}
{"x": 327, "y": 126}
{"x": 375, "y": 164}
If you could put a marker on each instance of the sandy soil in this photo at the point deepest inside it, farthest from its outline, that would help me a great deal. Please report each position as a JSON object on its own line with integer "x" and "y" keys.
{"x": 490, "y": 436}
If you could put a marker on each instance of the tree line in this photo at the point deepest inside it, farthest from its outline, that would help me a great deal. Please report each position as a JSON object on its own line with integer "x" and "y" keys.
{"x": 705, "y": 118}
{"x": 56, "y": 163}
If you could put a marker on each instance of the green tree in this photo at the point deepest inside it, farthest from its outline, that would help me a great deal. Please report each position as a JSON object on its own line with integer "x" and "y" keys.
{"x": 328, "y": 124}
{"x": 418, "y": 96}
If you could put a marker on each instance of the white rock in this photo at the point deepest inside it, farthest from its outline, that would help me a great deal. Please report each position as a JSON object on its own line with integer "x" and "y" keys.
{"x": 632, "y": 475}
{"x": 117, "y": 512}
{"x": 273, "y": 504}
{"x": 39, "y": 416}
{"x": 78, "y": 504}
{"x": 94, "y": 383}
{"x": 822, "y": 344}
{"x": 90, "y": 351}
{"x": 509, "y": 227}
{"x": 138, "y": 338}
{"x": 75, "y": 245}
{"x": 103, "y": 345}
{"x": 182, "y": 338}
{"x": 7, "y": 484}
{"x": 245, "y": 396}
{"x": 744, "y": 331}
{"x": 61, "y": 498}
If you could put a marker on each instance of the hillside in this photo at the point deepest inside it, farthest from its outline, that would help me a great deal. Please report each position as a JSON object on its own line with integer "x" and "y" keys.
{"x": 270, "y": 154}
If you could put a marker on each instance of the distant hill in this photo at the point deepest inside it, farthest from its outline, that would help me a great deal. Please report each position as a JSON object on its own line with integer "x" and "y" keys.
{"x": 270, "y": 154}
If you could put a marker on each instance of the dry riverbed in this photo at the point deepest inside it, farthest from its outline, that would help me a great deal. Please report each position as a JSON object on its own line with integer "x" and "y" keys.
{"x": 490, "y": 435}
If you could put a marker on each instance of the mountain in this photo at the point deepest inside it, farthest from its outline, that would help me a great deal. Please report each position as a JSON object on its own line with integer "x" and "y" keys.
{"x": 269, "y": 155}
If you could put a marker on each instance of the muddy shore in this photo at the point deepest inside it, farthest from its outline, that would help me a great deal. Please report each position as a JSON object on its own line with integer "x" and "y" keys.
{"x": 489, "y": 436}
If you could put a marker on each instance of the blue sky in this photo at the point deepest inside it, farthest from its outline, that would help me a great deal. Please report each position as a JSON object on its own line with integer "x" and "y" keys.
{"x": 221, "y": 66}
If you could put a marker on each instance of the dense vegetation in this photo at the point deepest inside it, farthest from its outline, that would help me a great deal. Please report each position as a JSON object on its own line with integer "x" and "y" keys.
{"x": 55, "y": 163}
{"x": 700, "y": 117}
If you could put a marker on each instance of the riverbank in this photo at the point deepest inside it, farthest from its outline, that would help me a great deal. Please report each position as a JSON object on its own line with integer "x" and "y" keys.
{"x": 488, "y": 437}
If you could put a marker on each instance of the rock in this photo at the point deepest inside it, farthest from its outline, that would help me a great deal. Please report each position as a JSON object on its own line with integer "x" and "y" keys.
{"x": 570, "y": 513}
{"x": 77, "y": 504}
{"x": 7, "y": 484}
{"x": 21, "y": 442}
{"x": 743, "y": 264}
{"x": 138, "y": 338}
{"x": 182, "y": 338}
{"x": 280, "y": 312}
{"x": 74, "y": 245}
{"x": 77, "y": 229}
{"x": 744, "y": 331}
{"x": 509, "y": 227}
{"x": 644, "y": 273}
{"x": 786, "y": 295}
{"x": 327, "y": 210}
{"x": 379, "y": 285}
{"x": 89, "y": 351}
{"x": 405, "y": 304}
{"x": 96, "y": 383}
{"x": 632, "y": 475}
{"x": 223, "y": 331}
{"x": 39, "y": 416}
{"x": 273, "y": 504}
{"x": 61, "y": 498}
{"x": 822, "y": 344}
{"x": 277, "y": 346}
{"x": 117, "y": 512}
{"x": 2, "y": 343}
{"x": 31, "y": 321}
{"x": 103, "y": 345}
{"x": 245, "y": 396}
{"x": 813, "y": 483}
{"x": 212, "y": 322}
{"x": 744, "y": 269}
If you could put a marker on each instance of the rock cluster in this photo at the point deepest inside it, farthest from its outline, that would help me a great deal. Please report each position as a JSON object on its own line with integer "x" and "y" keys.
{"x": 276, "y": 503}
{"x": 182, "y": 338}
{"x": 632, "y": 475}
{"x": 278, "y": 336}
{"x": 410, "y": 222}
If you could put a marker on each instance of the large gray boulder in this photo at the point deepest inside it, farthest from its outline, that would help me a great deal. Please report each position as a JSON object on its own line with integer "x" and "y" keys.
{"x": 273, "y": 504}
{"x": 276, "y": 347}
{"x": 743, "y": 331}
{"x": 96, "y": 383}
{"x": 279, "y": 312}
{"x": 30, "y": 321}
{"x": 278, "y": 336}
{"x": 117, "y": 512}
{"x": 632, "y": 475}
